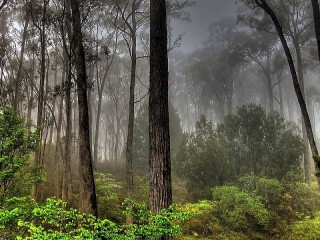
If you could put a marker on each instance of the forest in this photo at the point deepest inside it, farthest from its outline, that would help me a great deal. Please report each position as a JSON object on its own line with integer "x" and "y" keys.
{"x": 112, "y": 127}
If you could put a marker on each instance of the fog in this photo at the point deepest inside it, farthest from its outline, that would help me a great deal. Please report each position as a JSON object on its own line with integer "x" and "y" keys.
{"x": 238, "y": 152}
{"x": 202, "y": 15}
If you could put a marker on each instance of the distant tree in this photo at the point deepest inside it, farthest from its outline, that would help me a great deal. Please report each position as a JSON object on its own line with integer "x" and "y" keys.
{"x": 259, "y": 143}
{"x": 202, "y": 160}
{"x": 130, "y": 27}
{"x": 159, "y": 136}
{"x": 296, "y": 78}
{"x": 88, "y": 199}
{"x": 248, "y": 142}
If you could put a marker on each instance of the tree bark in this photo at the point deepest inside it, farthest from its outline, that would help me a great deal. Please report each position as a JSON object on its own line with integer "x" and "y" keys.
{"x": 269, "y": 85}
{"x": 66, "y": 179}
{"x": 307, "y": 161}
{"x": 38, "y": 153}
{"x": 18, "y": 80}
{"x": 129, "y": 170}
{"x": 159, "y": 136}
{"x": 87, "y": 192}
{"x": 316, "y": 19}
{"x": 263, "y": 4}
{"x": 3, "y": 4}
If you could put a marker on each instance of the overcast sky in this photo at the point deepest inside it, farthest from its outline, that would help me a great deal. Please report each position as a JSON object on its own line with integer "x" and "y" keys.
{"x": 202, "y": 15}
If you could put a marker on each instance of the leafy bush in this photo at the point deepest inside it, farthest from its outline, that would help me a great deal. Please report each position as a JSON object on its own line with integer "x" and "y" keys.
{"x": 249, "y": 141}
{"x": 110, "y": 195}
{"x": 202, "y": 161}
{"x": 306, "y": 229}
{"x": 54, "y": 220}
{"x": 16, "y": 144}
{"x": 17, "y": 209}
{"x": 206, "y": 224}
{"x": 239, "y": 210}
{"x": 203, "y": 221}
{"x": 287, "y": 200}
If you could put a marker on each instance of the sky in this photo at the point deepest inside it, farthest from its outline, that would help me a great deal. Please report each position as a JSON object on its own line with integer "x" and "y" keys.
{"x": 202, "y": 15}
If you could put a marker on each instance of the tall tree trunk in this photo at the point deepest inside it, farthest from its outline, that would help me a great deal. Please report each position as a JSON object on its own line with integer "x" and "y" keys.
{"x": 263, "y": 4}
{"x": 129, "y": 170}
{"x": 87, "y": 192}
{"x": 105, "y": 144}
{"x": 58, "y": 150}
{"x": 269, "y": 84}
{"x": 96, "y": 135}
{"x": 316, "y": 20}
{"x": 66, "y": 179}
{"x": 159, "y": 136}
{"x": 90, "y": 112}
{"x": 54, "y": 100}
{"x": 281, "y": 97}
{"x": 18, "y": 80}
{"x": 307, "y": 160}
{"x": 38, "y": 153}
{"x": 30, "y": 100}
{"x": 67, "y": 54}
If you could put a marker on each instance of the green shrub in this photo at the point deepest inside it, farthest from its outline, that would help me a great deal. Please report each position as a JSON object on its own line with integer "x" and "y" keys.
{"x": 239, "y": 210}
{"x": 17, "y": 209}
{"x": 206, "y": 225}
{"x": 306, "y": 229}
{"x": 16, "y": 143}
{"x": 54, "y": 220}
{"x": 203, "y": 220}
{"x": 110, "y": 195}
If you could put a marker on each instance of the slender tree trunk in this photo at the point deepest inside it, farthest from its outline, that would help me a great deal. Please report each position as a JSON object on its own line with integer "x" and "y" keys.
{"x": 3, "y": 4}
{"x": 54, "y": 100}
{"x": 269, "y": 84}
{"x": 90, "y": 112}
{"x": 105, "y": 144}
{"x": 96, "y": 135}
{"x": 307, "y": 160}
{"x": 159, "y": 136}
{"x": 316, "y": 20}
{"x": 58, "y": 150}
{"x": 129, "y": 170}
{"x": 30, "y": 100}
{"x": 66, "y": 179}
{"x": 18, "y": 80}
{"x": 87, "y": 192}
{"x": 66, "y": 173}
{"x": 263, "y": 4}
{"x": 38, "y": 153}
{"x": 281, "y": 98}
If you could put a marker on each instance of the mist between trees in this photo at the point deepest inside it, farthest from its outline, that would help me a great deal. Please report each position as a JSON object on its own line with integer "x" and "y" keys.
{"x": 104, "y": 108}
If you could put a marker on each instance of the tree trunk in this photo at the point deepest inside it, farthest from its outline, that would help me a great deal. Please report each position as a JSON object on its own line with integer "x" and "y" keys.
{"x": 129, "y": 170}
{"x": 159, "y": 136}
{"x": 96, "y": 135}
{"x": 263, "y": 4}
{"x": 18, "y": 80}
{"x": 280, "y": 95}
{"x": 307, "y": 161}
{"x": 269, "y": 84}
{"x": 316, "y": 20}
{"x": 87, "y": 192}
{"x": 3, "y": 4}
{"x": 38, "y": 153}
{"x": 66, "y": 179}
